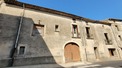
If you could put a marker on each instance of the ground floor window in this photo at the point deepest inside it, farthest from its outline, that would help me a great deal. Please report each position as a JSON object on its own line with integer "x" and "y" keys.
{"x": 112, "y": 52}
{"x": 96, "y": 52}
{"x": 21, "y": 50}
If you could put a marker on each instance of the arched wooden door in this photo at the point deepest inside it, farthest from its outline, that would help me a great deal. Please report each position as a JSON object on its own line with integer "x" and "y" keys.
{"x": 72, "y": 53}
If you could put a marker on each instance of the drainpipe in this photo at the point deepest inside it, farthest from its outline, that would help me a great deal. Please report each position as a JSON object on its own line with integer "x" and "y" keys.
{"x": 116, "y": 40}
{"x": 11, "y": 61}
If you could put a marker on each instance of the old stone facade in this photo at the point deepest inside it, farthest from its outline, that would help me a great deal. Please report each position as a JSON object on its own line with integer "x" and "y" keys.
{"x": 32, "y": 35}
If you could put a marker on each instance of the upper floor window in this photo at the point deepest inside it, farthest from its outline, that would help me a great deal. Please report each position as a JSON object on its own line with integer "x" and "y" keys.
{"x": 74, "y": 20}
{"x": 21, "y": 50}
{"x": 107, "y": 40}
{"x": 117, "y": 28}
{"x": 88, "y": 33}
{"x": 38, "y": 30}
{"x": 75, "y": 31}
{"x": 57, "y": 29}
{"x": 120, "y": 38}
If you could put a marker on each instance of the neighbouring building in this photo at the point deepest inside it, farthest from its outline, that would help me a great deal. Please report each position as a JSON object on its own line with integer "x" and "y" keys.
{"x": 32, "y": 35}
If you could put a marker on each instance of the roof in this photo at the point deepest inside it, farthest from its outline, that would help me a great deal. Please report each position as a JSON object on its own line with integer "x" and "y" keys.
{"x": 112, "y": 19}
{"x": 30, "y": 6}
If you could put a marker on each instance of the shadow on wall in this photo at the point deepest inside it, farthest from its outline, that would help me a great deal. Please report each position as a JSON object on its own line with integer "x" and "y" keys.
{"x": 32, "y": 48}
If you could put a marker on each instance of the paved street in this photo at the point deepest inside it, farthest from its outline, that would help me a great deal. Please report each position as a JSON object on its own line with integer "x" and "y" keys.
{"x": 105, "y": 64}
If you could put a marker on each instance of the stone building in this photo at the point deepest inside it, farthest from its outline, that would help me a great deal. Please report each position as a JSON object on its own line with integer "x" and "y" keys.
{"x": 32, "y": 35}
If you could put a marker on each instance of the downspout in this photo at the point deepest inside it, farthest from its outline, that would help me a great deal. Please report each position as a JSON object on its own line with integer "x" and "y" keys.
{"x": 116, "y": 41}
{"x": 11, "y": 61}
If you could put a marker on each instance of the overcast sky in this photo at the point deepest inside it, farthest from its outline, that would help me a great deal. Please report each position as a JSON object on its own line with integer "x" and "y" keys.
{"x": 93, "y": 9}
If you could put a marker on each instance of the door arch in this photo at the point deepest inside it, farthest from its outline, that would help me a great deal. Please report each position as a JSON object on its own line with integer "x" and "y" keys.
{"x": 72, "y": 52}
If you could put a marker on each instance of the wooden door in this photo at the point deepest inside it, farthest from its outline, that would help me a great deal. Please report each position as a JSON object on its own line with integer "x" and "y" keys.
{"x": 76, "y": 53}
{"x": 72, "y": 53}
{"x": 68, "y": 53}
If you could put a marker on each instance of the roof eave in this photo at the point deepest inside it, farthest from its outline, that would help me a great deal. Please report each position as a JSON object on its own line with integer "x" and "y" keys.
{"x": 112, "y": 19}
{"x": 14, "y": 2}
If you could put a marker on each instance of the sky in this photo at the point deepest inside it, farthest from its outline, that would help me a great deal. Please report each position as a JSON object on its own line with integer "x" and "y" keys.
{"x": 92, "y": 9}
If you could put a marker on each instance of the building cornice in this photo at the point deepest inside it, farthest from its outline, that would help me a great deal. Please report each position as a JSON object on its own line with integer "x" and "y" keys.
{"x": 112, "y": 19}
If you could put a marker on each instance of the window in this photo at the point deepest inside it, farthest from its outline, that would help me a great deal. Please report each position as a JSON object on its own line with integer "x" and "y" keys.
{"x": 117, "y": 28}
{"x": 106, "y": 36}
{"x": 96, "y": 52}
{"x": 21, "y": 50}
{"x": 75, "y": 31}
{"x": 107, "y": 40}
{"x": 57, "y": 28}
{"x": 112, "y": 52}
{"x": 103, "y": 26}
{"x": 74, "y": 20}
{"x": 120, "y": 38}
{"x": 88, "y": 34}
{"x": 86, "y": 22}
{"x": 38, "y": 30}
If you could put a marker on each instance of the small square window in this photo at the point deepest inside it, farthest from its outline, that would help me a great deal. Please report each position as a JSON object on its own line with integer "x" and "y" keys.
{"x": 74, "y": 20}
{"x": 57, "y": 29}
{"x": 120, "y": 38}
{"x": 21, "y": 50}
{"x": 38, "y": 30}
{"x": 117, "y": 28}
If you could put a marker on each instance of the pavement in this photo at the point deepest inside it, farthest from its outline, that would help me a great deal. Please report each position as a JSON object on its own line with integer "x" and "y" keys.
{"x": 103, "y": 64}
{"x": 66, "y": 65}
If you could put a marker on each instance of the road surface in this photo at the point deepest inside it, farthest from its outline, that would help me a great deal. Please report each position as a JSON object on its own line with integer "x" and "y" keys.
{"x": 105, "y": 64}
